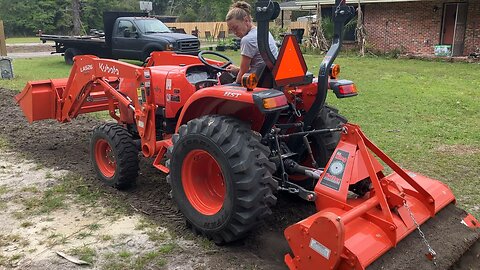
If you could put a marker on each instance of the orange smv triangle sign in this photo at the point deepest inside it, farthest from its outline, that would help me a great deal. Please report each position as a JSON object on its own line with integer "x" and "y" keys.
{"x": 290, "y": 66}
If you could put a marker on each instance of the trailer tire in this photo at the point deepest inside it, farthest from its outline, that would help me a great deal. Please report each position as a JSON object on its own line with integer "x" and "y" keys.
{"x": 69, "y": 54}
{"x": 221, "y": 177}
{"x": 114, "y": 155}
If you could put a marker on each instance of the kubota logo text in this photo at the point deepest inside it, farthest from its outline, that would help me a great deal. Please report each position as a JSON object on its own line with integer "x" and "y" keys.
{"x": 106, "y": 68}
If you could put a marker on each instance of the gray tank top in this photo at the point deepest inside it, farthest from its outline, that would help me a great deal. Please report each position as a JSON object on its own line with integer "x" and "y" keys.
{"x": 249, "y": 48}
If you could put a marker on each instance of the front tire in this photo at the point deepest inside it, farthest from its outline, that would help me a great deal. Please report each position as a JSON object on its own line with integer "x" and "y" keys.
{"x": 221, "y": 177}
{"x": 114, "y": 156}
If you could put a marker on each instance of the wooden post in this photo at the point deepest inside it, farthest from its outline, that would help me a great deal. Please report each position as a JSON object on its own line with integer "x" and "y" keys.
{"x": 3, "y": 44}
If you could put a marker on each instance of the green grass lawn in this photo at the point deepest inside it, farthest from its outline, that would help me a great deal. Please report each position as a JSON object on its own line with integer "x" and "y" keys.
{"x": 425, "y": 115}
{"x": 16, "y": 40}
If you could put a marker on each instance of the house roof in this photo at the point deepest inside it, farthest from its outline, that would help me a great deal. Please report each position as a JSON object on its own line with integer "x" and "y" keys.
{"x": 309, "y": 5}
{"x": 290, "y": 5}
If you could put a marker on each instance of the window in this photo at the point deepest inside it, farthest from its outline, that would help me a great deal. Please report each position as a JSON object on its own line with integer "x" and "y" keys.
{"x": 150, "y": 26}
{"x": 123, "y": 25}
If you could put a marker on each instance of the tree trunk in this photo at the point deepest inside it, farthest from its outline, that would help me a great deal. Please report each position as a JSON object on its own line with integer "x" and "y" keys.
{"x": 317, "y": 38}
{"x": 322, "y": 41}
{"x": 360, "y": 30}
{"x": 77, "y": 24}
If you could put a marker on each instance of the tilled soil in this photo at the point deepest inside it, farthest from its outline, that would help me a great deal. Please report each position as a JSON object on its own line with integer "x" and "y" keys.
{"x": 66, "y": 146}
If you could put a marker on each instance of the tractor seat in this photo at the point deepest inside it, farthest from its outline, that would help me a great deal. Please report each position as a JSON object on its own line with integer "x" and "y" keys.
{"x": 265, "y": 77}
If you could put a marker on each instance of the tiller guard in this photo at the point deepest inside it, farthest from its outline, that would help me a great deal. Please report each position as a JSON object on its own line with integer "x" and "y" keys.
{"x": 351, "y": 233}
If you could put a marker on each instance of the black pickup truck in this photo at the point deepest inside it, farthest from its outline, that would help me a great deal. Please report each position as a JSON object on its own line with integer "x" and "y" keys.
{"x": 127, "y": 35}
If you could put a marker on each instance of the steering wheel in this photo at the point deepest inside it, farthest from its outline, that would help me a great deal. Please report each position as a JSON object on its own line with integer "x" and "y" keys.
{"x": 221, "y": 68}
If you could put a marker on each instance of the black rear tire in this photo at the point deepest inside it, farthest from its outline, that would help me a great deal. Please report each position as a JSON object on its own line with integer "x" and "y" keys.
{"x": 69, "y": 54}
{"x": 245, "y": 170}
{"x": 114, "y": 156}
{"x": 325, "y": 144}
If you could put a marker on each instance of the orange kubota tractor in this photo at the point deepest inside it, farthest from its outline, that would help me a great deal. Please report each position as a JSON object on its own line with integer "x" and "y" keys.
{"x": 231, "y": 149}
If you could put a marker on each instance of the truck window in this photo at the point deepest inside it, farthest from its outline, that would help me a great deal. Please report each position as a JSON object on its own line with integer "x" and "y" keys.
{"x": 123, "y": 25}
{"x": 149, "y": 26}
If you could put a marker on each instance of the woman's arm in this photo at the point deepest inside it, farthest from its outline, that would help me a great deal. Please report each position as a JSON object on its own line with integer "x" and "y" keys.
{"x": 244, "y": 67}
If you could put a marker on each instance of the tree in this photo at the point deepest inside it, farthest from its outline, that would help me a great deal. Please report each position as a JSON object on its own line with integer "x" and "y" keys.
{"x": 28, "y": 16}
{"x": 92, "y": 10}
{"x": 159, "y": 6}
{"x": 77, "y": 23}
{"x": 360, "y": 32}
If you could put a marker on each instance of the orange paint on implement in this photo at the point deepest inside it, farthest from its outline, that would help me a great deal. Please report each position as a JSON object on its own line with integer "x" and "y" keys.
{"x": 351, "y": 233}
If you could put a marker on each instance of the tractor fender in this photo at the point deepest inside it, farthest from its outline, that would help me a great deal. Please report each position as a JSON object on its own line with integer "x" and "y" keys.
{"x": 233, "y": 101}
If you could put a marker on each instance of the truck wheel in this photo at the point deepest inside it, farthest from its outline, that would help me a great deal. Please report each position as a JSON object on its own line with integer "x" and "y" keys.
{"x": 114, "y": 155}
{"x": 69, "y": 54}
{"x": 221, "y": 177}
{"x": 147, "y": 53}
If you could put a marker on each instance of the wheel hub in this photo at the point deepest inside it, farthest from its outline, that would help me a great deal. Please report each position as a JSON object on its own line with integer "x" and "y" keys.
{"x": 203, "y": 182}
{"x": 105, "y": 158}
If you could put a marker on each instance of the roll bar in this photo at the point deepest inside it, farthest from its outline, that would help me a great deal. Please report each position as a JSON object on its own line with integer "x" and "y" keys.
{"x": 341, "y": 16}
{"x": 266, "y": 11}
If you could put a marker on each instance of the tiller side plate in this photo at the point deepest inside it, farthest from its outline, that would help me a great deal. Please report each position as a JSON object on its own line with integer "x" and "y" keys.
{"x": 351, "y": 232}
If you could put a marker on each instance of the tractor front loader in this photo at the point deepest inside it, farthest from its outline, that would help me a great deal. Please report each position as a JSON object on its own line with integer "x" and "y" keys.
{"x": 231, "y": 150}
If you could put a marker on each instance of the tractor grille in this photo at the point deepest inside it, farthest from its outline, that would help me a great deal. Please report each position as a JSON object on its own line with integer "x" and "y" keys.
{"x": 191, "y": 45}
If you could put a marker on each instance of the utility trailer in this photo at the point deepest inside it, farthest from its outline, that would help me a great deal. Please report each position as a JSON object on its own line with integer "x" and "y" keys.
{"x": 128, "y": 35}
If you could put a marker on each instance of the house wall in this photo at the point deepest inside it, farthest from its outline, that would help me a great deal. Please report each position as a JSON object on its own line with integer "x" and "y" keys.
{"x": 414, "y": 27}
{"x": 472, "y": 34}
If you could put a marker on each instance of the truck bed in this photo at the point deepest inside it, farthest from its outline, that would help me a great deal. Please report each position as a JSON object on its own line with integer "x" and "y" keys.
{"x": 86, "y": 40}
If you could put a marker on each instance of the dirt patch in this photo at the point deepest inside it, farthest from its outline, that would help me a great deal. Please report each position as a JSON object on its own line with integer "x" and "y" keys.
{"x": 446, "y": 235}
{"x": 458, "y": 150}
{"x": 28, "y": 48}
{"x": 65, "y": 147}
{"x": 32, "y": 233}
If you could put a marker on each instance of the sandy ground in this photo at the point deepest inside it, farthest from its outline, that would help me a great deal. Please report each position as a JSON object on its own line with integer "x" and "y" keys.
{"x": 30, "y": 55}
{"x": 105, "y": 239}
{"x": 29, "y": 50}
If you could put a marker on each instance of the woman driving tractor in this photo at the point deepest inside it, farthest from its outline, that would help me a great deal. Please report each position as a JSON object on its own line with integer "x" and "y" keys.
{"x": 239, "y": 21}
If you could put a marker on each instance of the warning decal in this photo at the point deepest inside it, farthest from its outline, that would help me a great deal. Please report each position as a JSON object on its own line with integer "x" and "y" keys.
{"x": 334, "y": 174}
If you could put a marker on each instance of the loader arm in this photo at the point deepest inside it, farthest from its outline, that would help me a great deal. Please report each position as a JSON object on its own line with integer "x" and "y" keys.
{"x": 92, "y": 77}
{"x": 94, "y": 85}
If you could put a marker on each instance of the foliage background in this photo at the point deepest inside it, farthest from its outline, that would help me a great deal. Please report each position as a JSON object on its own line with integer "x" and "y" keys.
{"x": 26, "y": 17}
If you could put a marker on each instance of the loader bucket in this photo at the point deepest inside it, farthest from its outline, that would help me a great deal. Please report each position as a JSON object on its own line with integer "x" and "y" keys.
{"x": 40, "y": 99}
{"x": 352, "y": 232}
